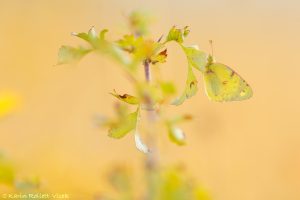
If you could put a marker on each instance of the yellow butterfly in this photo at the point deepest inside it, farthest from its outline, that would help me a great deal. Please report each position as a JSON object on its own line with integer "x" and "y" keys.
{"x": 224, "y": 84}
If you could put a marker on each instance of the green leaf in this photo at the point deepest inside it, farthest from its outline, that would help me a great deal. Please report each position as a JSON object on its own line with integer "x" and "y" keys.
{"x": 190, "y": 88}
{"x": 198, "y": 59}
{"x": 195, "y": 57}
{"x": 139, "y": 48}
{"x": 102, "y": 34}
{"x": 82, "y": 35}
{"x": 126, "y": 98}
{"x": 95, "y": 40}
{"x": 68, "y": 54}
{"x": 99, "y": 44}
{"x": 123, "y": 126}
{"x": 191, "y": 84}
{"x": 177, "y": 35}
{"x": 129, "y": 43}
{"x": 167, "y": 88}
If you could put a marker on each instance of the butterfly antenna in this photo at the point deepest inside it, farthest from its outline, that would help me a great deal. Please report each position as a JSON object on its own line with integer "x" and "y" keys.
{"x": 211, "y": 47}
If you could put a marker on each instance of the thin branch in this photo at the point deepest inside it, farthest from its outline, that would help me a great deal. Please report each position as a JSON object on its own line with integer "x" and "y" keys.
{"x": 147, "y": 71}
{"x": 152, "y": 157}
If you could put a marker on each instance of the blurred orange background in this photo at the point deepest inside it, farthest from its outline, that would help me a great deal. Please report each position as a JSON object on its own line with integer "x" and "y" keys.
{"x": 242, "y": 150}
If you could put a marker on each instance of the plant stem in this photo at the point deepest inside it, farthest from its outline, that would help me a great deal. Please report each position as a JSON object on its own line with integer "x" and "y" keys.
{"x": 152, "y": 157}
{"x": 147, "y": 71}
{"x": 151, "y": 117}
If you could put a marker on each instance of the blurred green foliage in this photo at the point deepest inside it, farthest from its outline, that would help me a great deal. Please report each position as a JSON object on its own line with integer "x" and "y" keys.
{"x": 9, "y": 178}
{"x": 7, "y": 171}
{"x": 165, "y": 184}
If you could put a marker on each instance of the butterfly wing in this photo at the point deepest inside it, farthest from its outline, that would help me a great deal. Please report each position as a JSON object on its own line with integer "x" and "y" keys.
{"x": 223, "y": 84}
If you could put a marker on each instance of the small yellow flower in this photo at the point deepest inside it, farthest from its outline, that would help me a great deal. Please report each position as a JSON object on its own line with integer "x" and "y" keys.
{"x": 9, "y": 102}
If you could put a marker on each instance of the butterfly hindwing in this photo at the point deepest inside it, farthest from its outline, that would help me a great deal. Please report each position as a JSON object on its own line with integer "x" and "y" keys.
{"x": 223, "y": 84}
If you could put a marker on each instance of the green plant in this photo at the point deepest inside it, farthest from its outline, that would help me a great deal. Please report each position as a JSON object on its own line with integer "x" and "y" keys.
{"x": 9, "y": 179}
{"x": 135, "y": 50}
{"x": 171, "y": 183}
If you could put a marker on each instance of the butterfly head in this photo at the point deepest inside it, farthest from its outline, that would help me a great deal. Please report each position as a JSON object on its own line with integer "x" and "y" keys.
{"x": 210, "y": 58}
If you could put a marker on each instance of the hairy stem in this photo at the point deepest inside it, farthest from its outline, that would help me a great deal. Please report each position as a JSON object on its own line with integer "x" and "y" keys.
{"x": 147, "y": 71}
{"x": 152, "y": 157}
{"x": 151, "y": 118}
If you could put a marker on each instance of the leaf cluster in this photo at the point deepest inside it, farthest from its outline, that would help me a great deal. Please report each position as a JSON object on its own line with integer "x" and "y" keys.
{"x": 135, "y": 50}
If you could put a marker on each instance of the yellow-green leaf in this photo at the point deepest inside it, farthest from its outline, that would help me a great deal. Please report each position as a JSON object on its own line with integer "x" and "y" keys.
{"x": 102, "y": 34}
{"x": 97, "y": 43}
{"x": 128, "y": 43}
{"x": 177, "y": 35}
{"x": 159, "y": 58}
{"x": 167, "y": 88}
{"x": 68, "y": 54}
{"x": 190, "y": 88}
{"x": 126, "y": 98}
{"x": 123, "y": 126}
{"x": 94, "y": 39}
{"x": 197, "y": 58}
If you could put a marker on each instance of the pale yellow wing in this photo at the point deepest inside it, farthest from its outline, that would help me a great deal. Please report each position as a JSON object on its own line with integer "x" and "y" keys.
{"x": 224, "y": 84}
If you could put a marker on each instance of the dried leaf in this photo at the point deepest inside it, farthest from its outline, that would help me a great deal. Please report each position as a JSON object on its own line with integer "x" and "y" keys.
{"x": 140, "y": 145}
{"x": 126, "y": 98}
{"x": 159, "y": 58}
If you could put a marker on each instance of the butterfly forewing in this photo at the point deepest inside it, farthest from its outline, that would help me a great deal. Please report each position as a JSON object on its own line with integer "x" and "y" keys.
{"x": 223, "y": 84}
